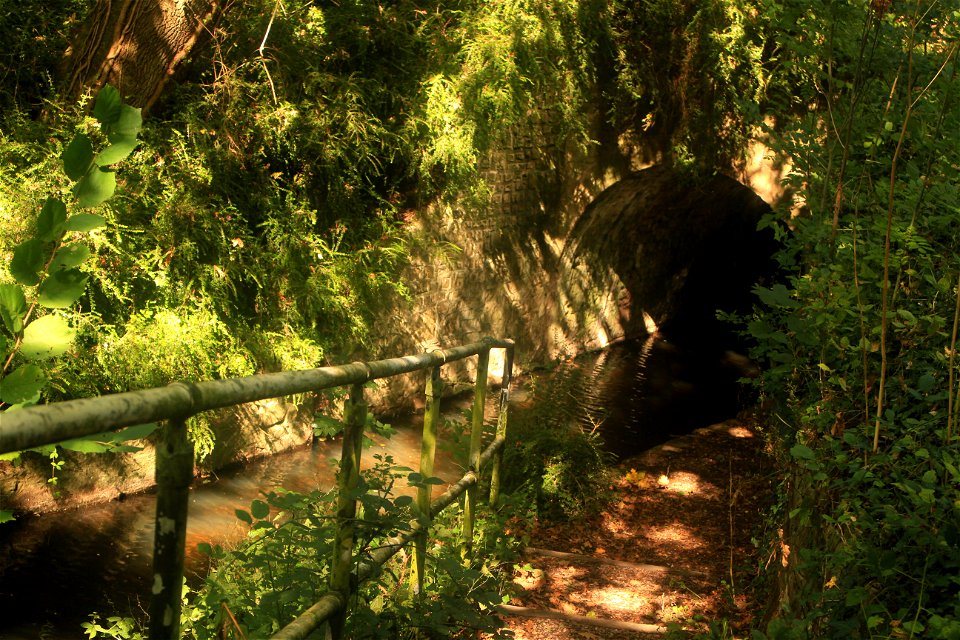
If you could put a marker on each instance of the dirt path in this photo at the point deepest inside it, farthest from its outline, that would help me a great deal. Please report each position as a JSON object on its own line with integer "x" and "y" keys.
{"x": 672, "y": 551}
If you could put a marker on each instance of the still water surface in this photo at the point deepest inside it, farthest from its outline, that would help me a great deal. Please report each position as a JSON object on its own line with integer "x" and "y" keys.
{"x": 57, "y": 569}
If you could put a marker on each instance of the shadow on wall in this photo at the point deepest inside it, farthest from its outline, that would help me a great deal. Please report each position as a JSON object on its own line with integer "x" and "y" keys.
{"x": 684, "y": 246}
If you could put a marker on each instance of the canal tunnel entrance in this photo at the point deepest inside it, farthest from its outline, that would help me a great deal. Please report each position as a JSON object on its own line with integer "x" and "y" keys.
{"x": 684, "y": 246}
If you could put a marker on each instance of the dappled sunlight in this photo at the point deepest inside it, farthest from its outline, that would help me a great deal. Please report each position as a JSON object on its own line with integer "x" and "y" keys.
{"x": 602, "y": 339}
{"x": 626, "y": 599}
{"x": 686, "y": 482}
{"x": 498, "y": 358}
{"x": 568, "y": 573}
{"x": 649, "y": 323}
{"x": 674, "y": 535}
{"x": 740, "y": 432}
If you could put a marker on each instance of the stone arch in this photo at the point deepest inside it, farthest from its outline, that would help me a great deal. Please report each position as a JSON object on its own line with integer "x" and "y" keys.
{"x": 683, "y": 246}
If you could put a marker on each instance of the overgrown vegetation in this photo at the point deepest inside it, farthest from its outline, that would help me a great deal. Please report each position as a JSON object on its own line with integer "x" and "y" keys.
{"x": 560, "y": 463}
{"x": 265, "y": 219}
{"x": 861, "y": 338}
{"x": 283, "y": 568}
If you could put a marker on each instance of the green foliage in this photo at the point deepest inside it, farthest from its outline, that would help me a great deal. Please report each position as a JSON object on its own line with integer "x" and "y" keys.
{"x": 36, "y": 33}
{"x": 277, "y": 187}
{"x": 47, "y": 269}
{"x": 562, "y": 464}
{"x": 859, "y": 336}
{"x": 46, "y": 265}
{"x": 687, "y": 75}
{"x": 158, "y": 347}
{"x": 283, "y": 568}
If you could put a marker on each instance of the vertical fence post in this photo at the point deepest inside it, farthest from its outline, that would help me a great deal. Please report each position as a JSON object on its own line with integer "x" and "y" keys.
{"x": 174, "y": 473}
{"x": 428, "y": 449}
{"x": 501, "y": 426}
{"x": 355, "y": 417}
{"x": 476, "y": 438}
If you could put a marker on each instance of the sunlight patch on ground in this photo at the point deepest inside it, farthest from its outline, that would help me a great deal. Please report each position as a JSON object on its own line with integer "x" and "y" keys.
{"x": 617, "y": 600}
{"x": 687, "y": 483}
{"x": 740, "y": 432}
{"x": 683, "y": 482}
{"x": 676, "y": 535}
{"x": 568, "y": 573}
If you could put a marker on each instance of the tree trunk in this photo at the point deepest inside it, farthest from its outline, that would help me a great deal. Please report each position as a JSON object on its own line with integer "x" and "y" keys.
{"x": 135, "y": 45}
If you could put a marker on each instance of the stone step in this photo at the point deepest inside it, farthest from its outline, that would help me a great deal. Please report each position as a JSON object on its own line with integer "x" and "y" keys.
{"x": 605, "y": 623}
{"x": 579, "y": 558}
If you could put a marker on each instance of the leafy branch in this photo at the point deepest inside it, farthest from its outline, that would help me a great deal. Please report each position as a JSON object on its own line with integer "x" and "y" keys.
{"x": 47, "y": 265}
{"x": 48, "y": 274}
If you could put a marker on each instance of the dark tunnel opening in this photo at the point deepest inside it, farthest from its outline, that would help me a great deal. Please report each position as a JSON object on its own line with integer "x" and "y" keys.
{"x": 684, "y": 246}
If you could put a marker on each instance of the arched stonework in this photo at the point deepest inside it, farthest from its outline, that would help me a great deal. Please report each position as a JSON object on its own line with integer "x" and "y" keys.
{"x": 683, "y": 246}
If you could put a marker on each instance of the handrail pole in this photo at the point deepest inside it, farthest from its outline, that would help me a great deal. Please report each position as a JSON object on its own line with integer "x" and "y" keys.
{"x": 428, "y": 449}
{"x": 174, "y": 473}
{"x": 501, "y": 426}
{"x": 355, "y": 417}
{"x": 476, "y": 438}
{"x": 321, "y": 610}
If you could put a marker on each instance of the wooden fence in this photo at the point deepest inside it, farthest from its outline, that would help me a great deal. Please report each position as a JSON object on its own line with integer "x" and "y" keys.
{"x": 175, "y": 403}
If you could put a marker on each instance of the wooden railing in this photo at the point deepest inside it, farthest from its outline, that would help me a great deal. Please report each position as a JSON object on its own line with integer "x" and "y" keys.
{"x": 175, "y": 403}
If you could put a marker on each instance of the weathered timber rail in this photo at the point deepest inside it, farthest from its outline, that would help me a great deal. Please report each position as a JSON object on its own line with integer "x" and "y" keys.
{"x": 175, "y": 403}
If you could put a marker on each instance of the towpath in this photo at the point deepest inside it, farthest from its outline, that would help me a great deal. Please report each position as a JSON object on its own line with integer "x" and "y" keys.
{"x": 673, "y": 551}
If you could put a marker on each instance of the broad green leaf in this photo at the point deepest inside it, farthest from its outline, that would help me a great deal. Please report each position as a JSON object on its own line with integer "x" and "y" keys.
{"x": 23, "y": 384}
{"x": 62, "y": 288}
{"x": 6, "y": 515}
{"x": 108, "y": 106}
{"x": 51, "y": 219}
{"x": 116, "y": 151}
{"x": 44, "y": 449}
{"x": 259, "y": 509}
{"x": 95, "y": 187}
{"x": 243, "y": 515}
{"x": 136, "y": 432}
{"x": 108, "y": 440}
{"x": 326, "y": 427}
{"x": 84, "y": 222}
{"x": 801, "y": 452}
{"x": 85, "y": 445}
{"x": 777, "y": 295}
{"x": 925, "y": 383}
{"x": 78, "y": 157}
{"x": 46, "y": 337}
{"x": 906, "y": 316}
{"x": 13, "y": 306}
{"x": 69, "y": 256}
{"x": 10, "y": 455}
{"x": 27, "y": 262}
{"x": 127, "y": 125}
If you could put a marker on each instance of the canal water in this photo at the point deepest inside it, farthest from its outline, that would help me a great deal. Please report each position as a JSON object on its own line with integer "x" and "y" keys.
{"x": 57, "y": 569}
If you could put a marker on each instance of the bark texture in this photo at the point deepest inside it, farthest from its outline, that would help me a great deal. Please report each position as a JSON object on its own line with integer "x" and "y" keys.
{"x": 135, "y": 45}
